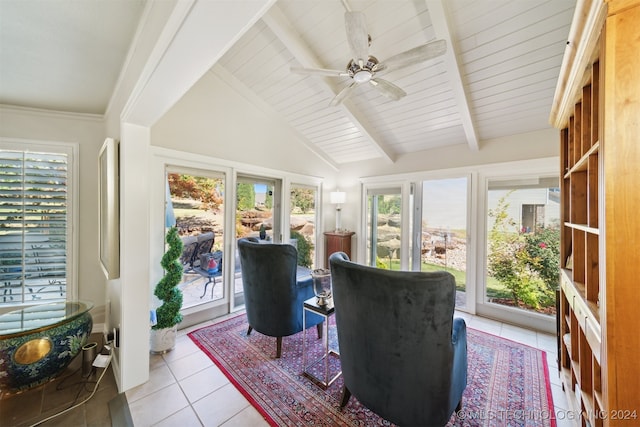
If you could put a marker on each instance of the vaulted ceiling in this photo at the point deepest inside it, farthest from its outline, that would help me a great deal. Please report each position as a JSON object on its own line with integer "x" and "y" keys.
{"x": 497, "y": 77}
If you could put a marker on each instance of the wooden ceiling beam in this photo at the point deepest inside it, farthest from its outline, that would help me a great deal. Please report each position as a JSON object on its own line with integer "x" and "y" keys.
{"x": 440, "y": 22}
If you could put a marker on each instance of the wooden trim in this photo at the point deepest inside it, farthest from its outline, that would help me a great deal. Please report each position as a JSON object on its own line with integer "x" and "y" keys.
{"x": 621, "y": 340}
{"x": 619, "y": 6}
{"x": 588, "y": 20}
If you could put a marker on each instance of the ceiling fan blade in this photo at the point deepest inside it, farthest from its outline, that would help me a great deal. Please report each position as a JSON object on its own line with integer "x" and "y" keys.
{"x": 319, "y": 72}
{"x": 344, "y": 93}
{"x": 357, "y": 36}
{"x": 416, "y": 55}
{"x": 388, "y": 89}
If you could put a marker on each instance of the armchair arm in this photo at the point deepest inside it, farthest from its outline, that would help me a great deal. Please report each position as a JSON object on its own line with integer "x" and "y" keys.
{"x": 459, "y": 331}
{"x": 459, "y": 371}
{"x": 305, "y": 285}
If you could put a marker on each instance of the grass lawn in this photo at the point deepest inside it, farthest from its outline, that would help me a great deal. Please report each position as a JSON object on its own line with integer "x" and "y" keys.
{"x": 495, "y": 289}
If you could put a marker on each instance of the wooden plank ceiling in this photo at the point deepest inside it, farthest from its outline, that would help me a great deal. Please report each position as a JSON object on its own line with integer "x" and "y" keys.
{"x": 496, "y": 79}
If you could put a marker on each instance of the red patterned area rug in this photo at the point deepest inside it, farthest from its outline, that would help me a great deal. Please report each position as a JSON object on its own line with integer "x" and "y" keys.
{"x": 507, "y": 382}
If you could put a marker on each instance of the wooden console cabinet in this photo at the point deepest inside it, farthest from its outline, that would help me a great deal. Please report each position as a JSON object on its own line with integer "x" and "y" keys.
{"x": 335, "y": 241}
{"x": 597, "y": 108}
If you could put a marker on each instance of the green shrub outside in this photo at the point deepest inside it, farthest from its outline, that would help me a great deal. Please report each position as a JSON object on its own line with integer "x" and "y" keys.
{"x": 525, "y": 263}
{"x": 304, "y": 249}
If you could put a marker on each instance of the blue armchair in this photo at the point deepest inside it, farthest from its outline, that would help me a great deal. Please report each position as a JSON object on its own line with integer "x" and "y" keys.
{"x": 402, "y": 353}
{"x": 274, "y": 291}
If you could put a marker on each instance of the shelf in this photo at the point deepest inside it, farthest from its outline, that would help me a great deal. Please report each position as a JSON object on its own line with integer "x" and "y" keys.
{"x": 582, "y": 227}
{"x": 582, "y": 164}
{"x": 587, "y": 402}
{"x": 579, "y": 302}
{"x": 598, "y": 398}
{"x": 566, "y": 339}
{"x": 575, "y": 368}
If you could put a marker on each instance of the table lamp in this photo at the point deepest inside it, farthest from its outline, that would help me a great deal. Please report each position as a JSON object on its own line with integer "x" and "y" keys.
{"x": 338, "y": 198}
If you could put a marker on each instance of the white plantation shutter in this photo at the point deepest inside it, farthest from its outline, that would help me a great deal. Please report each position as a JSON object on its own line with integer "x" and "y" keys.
{"x": 34, "y": 213}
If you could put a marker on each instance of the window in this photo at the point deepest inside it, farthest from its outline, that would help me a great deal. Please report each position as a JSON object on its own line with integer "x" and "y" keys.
{"x": 196, "y": 200}
{"x": 35, "y": 227}
{"x": 302, "y": 220}
{"x": 443, "y": 237}
{"x": 258, "y": 215}
{"x": 523, "y": 243}
{"x": 494, "y": 227}
{"x": 384, "y": 227}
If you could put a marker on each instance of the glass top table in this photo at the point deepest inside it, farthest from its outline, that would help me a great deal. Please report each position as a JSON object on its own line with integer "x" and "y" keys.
{"x": 40, "y": 317}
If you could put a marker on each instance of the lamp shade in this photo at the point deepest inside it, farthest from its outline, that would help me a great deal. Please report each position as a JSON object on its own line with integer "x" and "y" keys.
{"x": 337, "y": 197}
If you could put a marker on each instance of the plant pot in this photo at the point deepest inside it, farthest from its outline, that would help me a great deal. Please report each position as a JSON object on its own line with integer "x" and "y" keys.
{"x": 163, "y": 340}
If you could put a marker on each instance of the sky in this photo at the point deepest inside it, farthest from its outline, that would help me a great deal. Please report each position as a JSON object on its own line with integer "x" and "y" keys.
{"x": 444, "y": 203}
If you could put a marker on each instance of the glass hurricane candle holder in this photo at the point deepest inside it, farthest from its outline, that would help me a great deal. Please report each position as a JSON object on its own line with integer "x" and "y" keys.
{"x": 322, "y": 285}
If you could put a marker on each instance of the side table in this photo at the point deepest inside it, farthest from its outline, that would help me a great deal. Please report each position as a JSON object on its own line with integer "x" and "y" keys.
{"x": 211, "y": 278}
{"x": 337, "y": 241}
{"x": 326, "y": 311}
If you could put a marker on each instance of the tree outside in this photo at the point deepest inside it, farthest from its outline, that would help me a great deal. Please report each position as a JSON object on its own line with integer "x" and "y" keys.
{"x": 303, "y": 199}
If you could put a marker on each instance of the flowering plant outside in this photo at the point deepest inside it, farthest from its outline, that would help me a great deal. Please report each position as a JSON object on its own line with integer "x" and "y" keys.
{"x": 526, "y": 263}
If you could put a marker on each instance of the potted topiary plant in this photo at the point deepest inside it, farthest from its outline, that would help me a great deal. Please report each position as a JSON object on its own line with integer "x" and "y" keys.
{"x": 167, "y": 316}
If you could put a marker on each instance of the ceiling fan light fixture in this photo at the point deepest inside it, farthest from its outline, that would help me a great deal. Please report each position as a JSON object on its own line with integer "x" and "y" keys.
{"x": 362, "y": 76}
{"x": 362, "y": 73}
{"x": 362, "y": 67}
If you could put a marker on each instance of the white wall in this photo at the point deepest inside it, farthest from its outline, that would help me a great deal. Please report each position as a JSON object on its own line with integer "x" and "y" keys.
{"x": 87, "y": 132}
{"x": 533, "y": 145}
{"x": 214, "y": 120}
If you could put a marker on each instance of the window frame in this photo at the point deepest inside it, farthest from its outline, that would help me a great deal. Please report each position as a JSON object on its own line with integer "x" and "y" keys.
{"x": 531, "y": 319}
{"x": 71, "y": 150}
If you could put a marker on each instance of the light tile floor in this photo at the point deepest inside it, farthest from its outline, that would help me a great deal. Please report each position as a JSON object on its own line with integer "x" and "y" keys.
{"x": 185, "y": 388}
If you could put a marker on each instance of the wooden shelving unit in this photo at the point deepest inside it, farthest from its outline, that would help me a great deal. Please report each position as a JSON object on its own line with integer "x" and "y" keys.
{"x": 597, "y": 108}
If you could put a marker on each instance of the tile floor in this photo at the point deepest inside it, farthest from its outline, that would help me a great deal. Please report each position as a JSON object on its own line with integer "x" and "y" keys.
{"x": 185, "y": 388}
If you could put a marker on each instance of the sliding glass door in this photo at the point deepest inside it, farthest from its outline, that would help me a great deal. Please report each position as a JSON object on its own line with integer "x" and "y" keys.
{"x": 195, "y": 205}
{"x": 523, "y": 242}
{"x": 443, "y": 235}
{"x": 257, "y": 215}
{"x": 384, "y": 227}
{"x": 302, "y": 222}
{"x": 495, "y": 228}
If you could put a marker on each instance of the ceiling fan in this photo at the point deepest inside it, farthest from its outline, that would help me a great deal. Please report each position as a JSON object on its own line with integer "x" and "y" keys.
{"x": 362, "y": 68}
